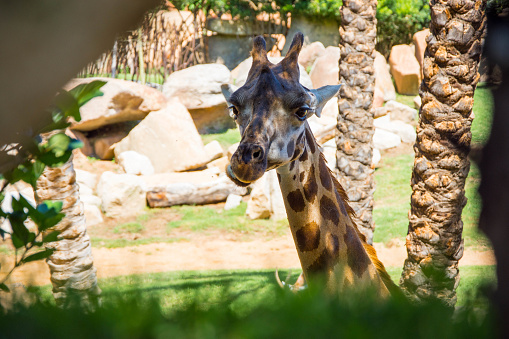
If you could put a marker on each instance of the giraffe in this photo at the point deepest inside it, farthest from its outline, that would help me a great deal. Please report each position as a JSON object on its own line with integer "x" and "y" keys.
{"x": 271, "y": 109}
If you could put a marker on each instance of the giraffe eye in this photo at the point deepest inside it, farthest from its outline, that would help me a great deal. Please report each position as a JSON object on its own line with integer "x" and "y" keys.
{"x": 302, "y": 112}
{"x": 233, "y": 112}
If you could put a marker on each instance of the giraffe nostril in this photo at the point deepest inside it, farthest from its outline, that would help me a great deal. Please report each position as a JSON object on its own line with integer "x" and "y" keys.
{"x": 256, "y": 153}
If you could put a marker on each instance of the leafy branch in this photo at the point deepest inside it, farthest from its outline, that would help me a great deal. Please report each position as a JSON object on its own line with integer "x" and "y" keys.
{"x": 53, "y": 151}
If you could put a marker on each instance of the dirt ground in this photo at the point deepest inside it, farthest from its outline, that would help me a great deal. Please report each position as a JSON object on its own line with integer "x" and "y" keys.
{"x": 212, "y": 253}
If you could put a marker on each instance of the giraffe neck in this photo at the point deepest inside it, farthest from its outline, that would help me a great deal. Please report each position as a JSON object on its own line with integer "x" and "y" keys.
{"x": 326, "y": 239}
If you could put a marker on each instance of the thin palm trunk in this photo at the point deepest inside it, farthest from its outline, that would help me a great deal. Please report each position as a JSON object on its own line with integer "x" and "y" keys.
{"x": 71, "y": 265}
{"x": 355, "y": 120}
{"x": 441, "y": 165}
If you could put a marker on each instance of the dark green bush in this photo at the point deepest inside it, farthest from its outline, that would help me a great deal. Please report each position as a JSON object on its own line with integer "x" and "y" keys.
{"x": 306, "y": 315}
{"x": 398, "y": 20}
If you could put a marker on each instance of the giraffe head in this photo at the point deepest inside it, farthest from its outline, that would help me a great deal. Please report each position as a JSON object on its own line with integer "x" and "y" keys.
{"x": 271, "y": 109}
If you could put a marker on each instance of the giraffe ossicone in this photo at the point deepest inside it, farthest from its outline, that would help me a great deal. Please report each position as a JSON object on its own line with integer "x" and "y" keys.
{"x": 271, "y": 110}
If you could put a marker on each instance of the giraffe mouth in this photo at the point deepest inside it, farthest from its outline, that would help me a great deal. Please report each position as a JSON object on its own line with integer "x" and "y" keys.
{"x": 233, "y": 177}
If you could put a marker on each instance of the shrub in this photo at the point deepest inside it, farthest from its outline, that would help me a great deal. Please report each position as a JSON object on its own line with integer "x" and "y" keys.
{"x": 398, "y": 20}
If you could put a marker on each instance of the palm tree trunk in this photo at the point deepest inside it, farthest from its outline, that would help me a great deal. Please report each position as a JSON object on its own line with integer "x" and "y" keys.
{"x": 451, "y": 63}
{"x": 355, "y": 120}
{"x": 71, "y": 265}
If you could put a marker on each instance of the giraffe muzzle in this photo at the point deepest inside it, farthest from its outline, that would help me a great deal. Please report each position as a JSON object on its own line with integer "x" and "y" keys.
{"x": 247, "y": 164}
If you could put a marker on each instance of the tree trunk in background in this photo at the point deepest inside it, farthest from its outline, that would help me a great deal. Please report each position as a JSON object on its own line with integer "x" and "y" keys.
{"x": 355, "y": 120}
{"x": 71, "y": 265}
{"x": 451, "y": 63}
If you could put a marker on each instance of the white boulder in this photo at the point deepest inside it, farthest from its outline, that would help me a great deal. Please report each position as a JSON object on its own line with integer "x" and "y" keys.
{"x": 383, "y": 139}
{"x": 122, "y": 101}
{"x": 232, "y": 201}
{"x": 266, "y": 200}
{"x": 168, "y": 138}
{"x": 135, "y": 163}
{"x": 121, "y": 194}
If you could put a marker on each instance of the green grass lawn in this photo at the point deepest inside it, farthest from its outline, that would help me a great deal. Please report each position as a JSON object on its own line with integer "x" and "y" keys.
{"x": 242, "y": 290}
{"x": 226, "y": 139}
{"x": 203, "y": 218}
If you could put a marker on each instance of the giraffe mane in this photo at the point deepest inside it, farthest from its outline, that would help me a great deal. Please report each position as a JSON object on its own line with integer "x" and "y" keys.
{"x": 370, "y": 250}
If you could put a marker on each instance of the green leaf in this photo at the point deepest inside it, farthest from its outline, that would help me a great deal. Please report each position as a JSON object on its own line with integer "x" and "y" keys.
{"x": 19, "y": 229}
{"x": 38, "y": 256}
{"x": 51, "y": 160}
{"x": 85, "y": 92}
{"x": 51, "y": 237}
{"x": 50, "y": 206}
{"x": 48, "y": 214}
{"x": 16, "y": 242}
{"x": 68, "y": 106}
{"x": 58, "y": 144}
{"x": 4, "y": 287}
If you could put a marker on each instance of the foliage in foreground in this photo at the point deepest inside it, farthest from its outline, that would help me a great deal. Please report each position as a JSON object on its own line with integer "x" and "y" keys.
{"x": 34, "y": 157}
{"x": 305, "y": 315}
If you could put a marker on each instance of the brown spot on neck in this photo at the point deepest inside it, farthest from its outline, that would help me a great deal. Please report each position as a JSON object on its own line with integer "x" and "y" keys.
{"x": 329, "y": 210}
{"x": 308, "y": 237}
{"x": 290, "y": 148}
{"x": 357, "y": 257}
{"x": 310, "y": 140}
{"x": 325, "y": 175}
{"x": 304, "y": 155}
{"x": 311, "y": 187}
{"x": 296, "y": 200}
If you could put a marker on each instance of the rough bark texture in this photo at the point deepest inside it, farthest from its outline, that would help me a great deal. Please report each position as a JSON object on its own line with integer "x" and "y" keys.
{"x": 71, "y": 265}
{"x": 451, "y": 62}
{"x": 494, "y": 167}
{"x": 355, "y": 120}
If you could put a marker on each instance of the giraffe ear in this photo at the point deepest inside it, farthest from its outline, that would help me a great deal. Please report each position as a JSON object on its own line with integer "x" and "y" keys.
{"x": 227, "y": 90}
{"x": 259, "y": 51}
{"x": 322, "y": 95}
{"x": 291, "y": 61}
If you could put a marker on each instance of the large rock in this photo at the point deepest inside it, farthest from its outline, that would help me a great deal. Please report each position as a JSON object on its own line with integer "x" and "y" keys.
{"x": 239, "y": 74}
{"x": 310, "y": 53}
{"x": 86, "y": 178}
{"x": 405, "y": 131}
{"x": 168, "y": 138}
{"x": 383, "y": 139}
{"x": 121, "y": 194}
{"x": 93, "y": 215}
{"x": 401, "y": 111}
{"x": 214, "y": 150}
{"x": 122, "y": 101}
{"x": 398, "y": 111}
{"x": 405, "y": 69}
{"x": 325, "y": 70}
{"x": 135, "y": 163}
{"x": 266, "y": 200}
{"x": 199, "y": 89}
{"x": 419, "y": 40}
{"x": 194, "y": 177}
{"x": 384, "y": 88}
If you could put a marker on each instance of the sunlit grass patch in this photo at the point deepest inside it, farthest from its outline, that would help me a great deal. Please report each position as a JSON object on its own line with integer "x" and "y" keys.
{"x": 130, "y": 227}
{"x": 225, "y": 139}
{"x": 203, "y": 218}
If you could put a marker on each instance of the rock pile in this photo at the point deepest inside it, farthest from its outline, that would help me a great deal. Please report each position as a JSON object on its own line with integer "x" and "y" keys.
{"x": 155, "y": 137}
